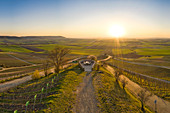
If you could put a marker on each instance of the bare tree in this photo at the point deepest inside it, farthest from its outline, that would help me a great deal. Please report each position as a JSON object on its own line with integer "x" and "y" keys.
{"x": 46, "y": 66}
{"x": 124, "y": 82}
{"x": 143, "y": 96}
{"x": 57, "y": 57}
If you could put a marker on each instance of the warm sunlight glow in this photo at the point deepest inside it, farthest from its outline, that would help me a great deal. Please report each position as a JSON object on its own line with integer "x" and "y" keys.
{"x": 117, "y": 31}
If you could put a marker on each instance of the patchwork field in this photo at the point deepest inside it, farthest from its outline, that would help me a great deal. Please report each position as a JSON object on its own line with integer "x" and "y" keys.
{"x": 146, "y": 51}
{"x": 35, "y": 49}
{"x": 28, "y": 54}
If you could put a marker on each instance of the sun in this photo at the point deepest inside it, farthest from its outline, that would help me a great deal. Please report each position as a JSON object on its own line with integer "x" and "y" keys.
{"x": 117, "y": 31}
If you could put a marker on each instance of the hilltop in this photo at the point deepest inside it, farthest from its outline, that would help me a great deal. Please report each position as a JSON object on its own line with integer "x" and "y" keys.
{"x": 21, "y": 37}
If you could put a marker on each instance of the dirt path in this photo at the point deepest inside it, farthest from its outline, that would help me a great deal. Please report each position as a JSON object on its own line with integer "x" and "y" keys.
{"x": 162, "y": 105}
{"x": 19, "y": 67}
{"x": 13, "y": 83}
{"x": 86, "y": 100}
{"x": 109, "y": 57}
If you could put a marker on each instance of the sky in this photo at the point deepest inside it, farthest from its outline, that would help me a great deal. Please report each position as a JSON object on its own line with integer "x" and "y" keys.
{"x": 85, "y": 18}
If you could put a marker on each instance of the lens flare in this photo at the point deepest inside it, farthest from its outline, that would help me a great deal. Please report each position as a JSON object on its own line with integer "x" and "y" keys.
{"x": 117, "y": 31}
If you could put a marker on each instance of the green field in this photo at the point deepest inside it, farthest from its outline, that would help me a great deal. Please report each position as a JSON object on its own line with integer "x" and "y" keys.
{"x": 154, "y": 52}
{"x": 13, "y": 48}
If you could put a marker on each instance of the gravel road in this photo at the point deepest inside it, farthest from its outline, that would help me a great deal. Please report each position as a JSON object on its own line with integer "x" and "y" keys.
{"x": 86, "y": 100}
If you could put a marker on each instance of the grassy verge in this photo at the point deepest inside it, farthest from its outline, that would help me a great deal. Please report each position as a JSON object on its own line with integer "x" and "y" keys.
{"x": 21, "y": 68}
{"x": 112, "y": 97}
{"x": 13, "y": 78}
{"x": 65, "y": 98}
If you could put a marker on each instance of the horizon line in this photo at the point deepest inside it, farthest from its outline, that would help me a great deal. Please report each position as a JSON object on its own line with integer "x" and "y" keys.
{"x": 139, "y": 37}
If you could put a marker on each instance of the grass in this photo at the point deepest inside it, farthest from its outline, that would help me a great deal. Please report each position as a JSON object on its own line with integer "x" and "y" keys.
{"x": 86, "y": 52}
{"x": 77, "y": 50}
{"x": 121, "y": 51}
{"x": 153, "y": 52}
{"x": 13, "y": 48}
{"x": 112, "y": 98}
{"x": 64, "y": 100}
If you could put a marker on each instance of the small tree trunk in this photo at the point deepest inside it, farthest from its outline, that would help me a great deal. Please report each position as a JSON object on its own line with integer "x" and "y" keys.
{"x": 45, "y": 73}
{"x": 98, "y": 67}
{"x": 123, "y": 86}
{"x": 117, "y": 80}
{"x": 142, "y": 108}
{"x": 57, "y": 69}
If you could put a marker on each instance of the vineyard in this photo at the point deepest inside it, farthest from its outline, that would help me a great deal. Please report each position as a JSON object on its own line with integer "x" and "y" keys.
{"x": 156, "y": 72}
{"x": 159, "y": 88}
{"x": 37, "y": 95}
{"x": 112, "y": 98}
{"x": 14, "y": 73}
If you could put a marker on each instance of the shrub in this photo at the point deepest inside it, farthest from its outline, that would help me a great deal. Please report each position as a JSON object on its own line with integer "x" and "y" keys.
{"x": 36, "y": 75}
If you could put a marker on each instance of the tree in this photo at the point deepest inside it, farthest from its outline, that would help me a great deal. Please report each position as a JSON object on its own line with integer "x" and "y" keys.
{"x": 46, "y": 65}
{"x": 124, "y": 82}
{"x": 117, "y": 75}
{"x": 36, "y": 75}
{"x": 143, "y": 96}
{"x": 57, "y": 57}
